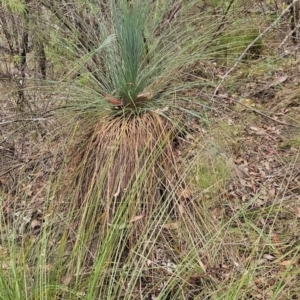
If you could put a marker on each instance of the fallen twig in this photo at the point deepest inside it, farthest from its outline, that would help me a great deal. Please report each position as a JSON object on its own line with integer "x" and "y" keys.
{"x": 258, "y": 112}
{"x": 21, "y": 120}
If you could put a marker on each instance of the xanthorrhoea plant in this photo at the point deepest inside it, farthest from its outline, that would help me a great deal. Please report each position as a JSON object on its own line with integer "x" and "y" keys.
{"x": 132, "y": 58}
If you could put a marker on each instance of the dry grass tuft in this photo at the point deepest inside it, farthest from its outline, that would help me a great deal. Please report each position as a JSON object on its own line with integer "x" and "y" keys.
{"x": 124, "y": 158}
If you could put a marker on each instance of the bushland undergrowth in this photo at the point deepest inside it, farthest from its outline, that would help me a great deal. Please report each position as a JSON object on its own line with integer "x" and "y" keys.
{"x": 137, "y": 175}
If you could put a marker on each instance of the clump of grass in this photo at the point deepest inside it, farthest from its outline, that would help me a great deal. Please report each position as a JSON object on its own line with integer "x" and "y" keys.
{"x": 236, "y": 39}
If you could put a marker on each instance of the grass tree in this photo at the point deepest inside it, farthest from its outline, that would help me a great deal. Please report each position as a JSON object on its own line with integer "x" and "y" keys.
{"x": 131, "y": 60}
{"x": 129, "y": 66}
